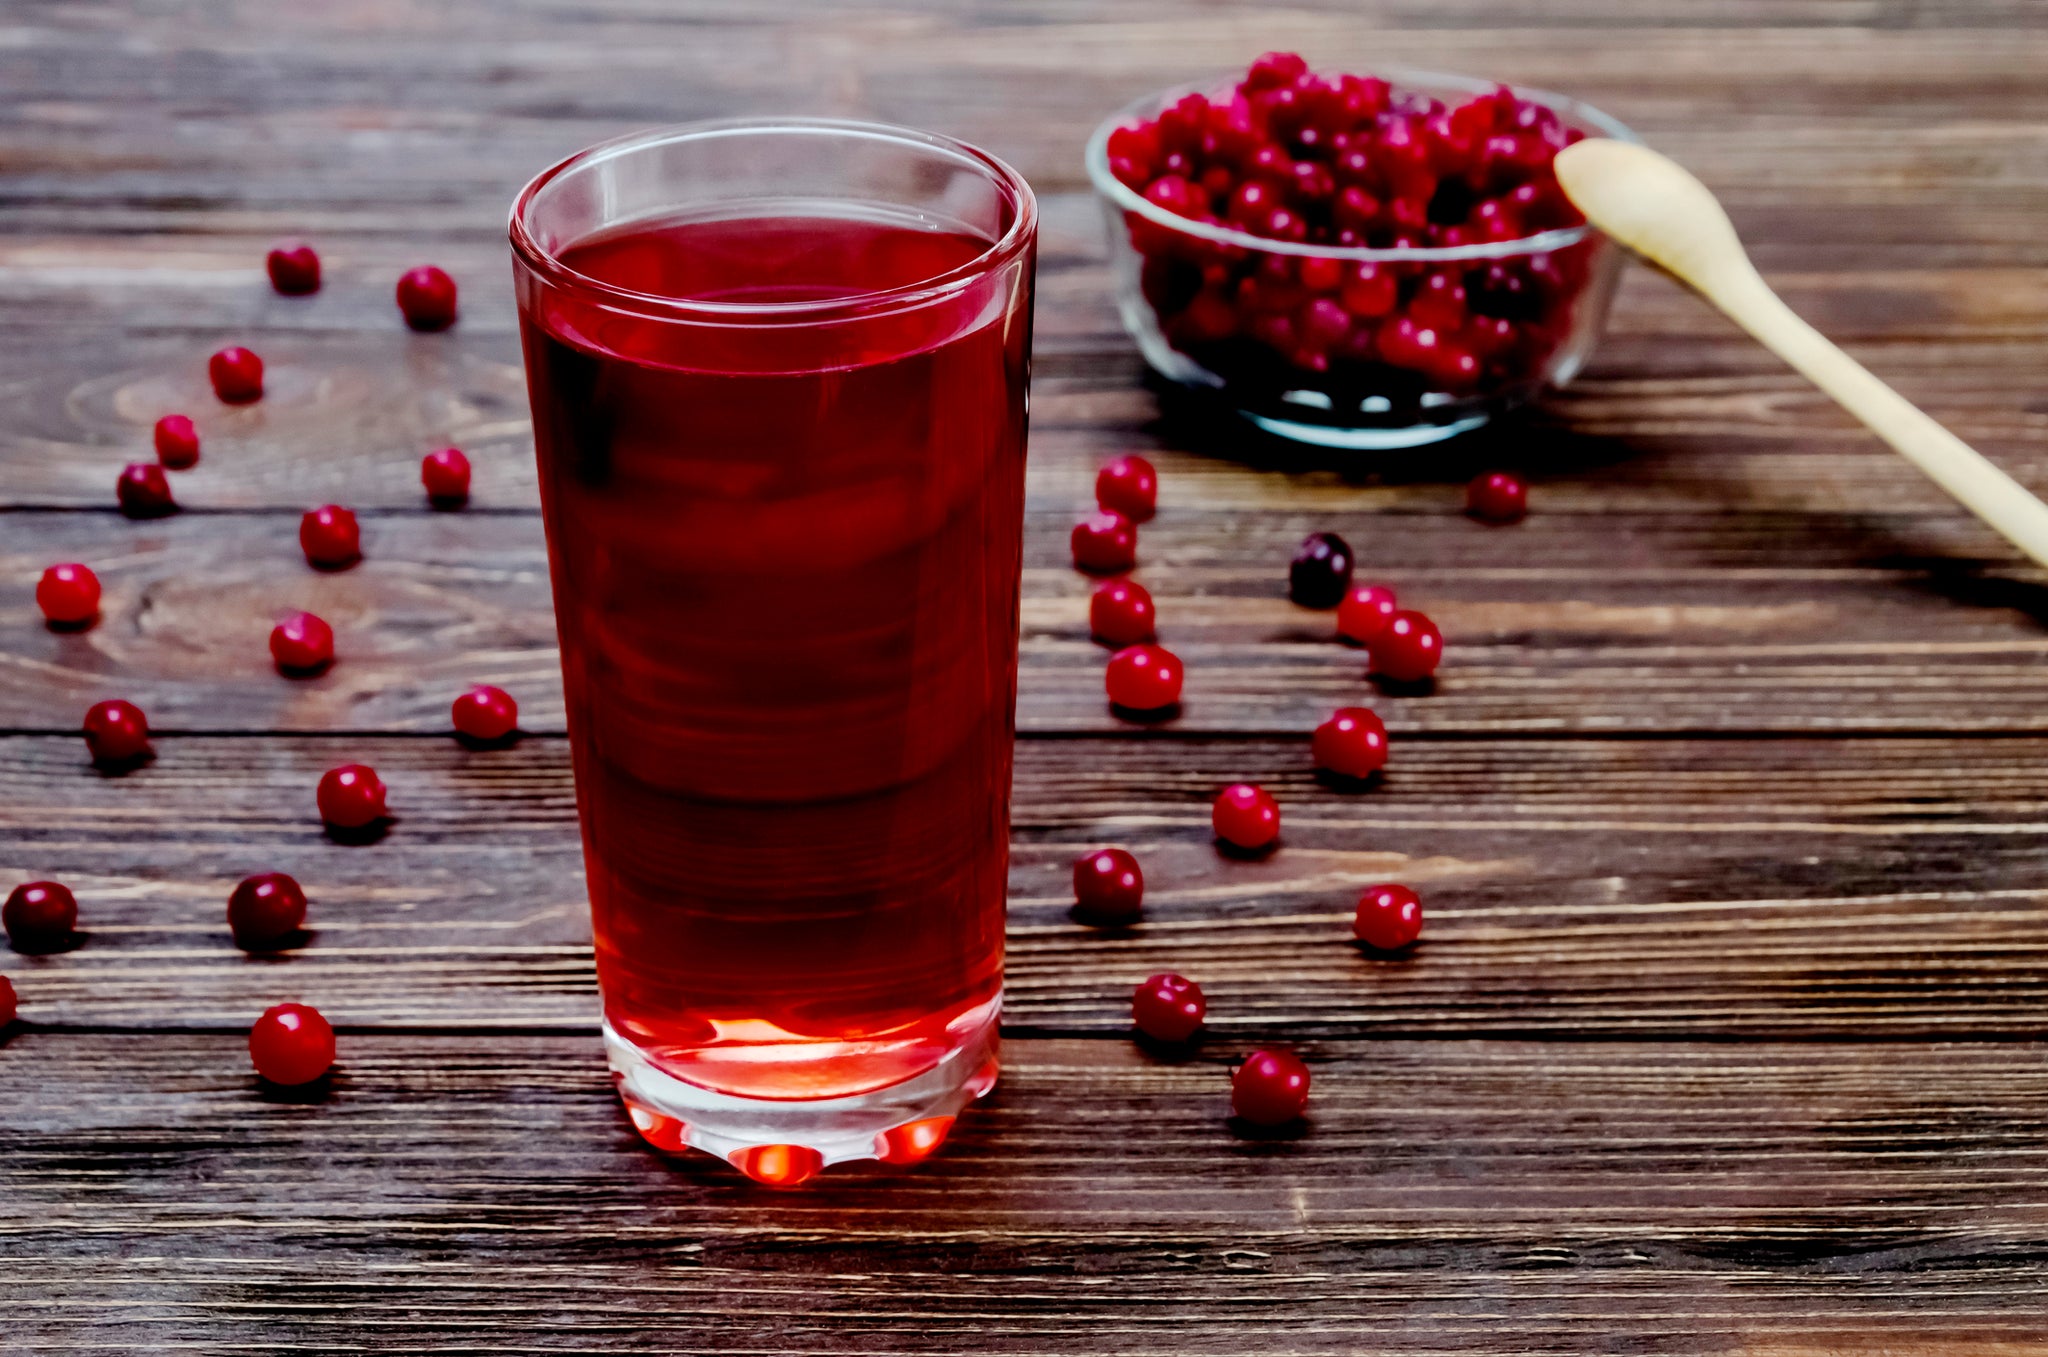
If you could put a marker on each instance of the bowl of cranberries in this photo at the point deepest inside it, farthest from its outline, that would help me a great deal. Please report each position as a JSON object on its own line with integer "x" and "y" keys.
{"x": 1358, "y": 262}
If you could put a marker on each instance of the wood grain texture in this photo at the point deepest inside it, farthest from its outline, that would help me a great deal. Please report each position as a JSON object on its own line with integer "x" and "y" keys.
{"x": 473, "y": 1195}
{"x": 1577, "y": 888}
{"x": 1727, "y": 1033}
{"x": 1679, "y": 621}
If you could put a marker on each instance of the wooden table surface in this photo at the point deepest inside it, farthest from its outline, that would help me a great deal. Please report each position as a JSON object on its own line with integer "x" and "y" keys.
{"x": 1729, "y": 809}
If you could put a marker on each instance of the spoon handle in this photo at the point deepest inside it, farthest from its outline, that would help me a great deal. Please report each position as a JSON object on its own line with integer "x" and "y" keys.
{"x": 1949, "y": 462}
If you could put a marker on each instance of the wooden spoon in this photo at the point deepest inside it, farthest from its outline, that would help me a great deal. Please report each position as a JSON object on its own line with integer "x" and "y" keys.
{"x": 1654, "y": 207}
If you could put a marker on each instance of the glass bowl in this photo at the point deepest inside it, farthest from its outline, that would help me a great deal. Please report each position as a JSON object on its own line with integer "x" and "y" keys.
{"x": 1226, "y": 314}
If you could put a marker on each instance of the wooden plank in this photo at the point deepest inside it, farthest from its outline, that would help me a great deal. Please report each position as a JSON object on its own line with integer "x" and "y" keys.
{"x": 1690, "y": 422}
{"x": 1577, "y": 888}
{"x": 471, "y": 1195}
{"x": 1637, "y": 622}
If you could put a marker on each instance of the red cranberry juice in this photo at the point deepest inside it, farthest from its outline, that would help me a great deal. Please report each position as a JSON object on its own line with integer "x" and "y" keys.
{"x": 785, "y": 563}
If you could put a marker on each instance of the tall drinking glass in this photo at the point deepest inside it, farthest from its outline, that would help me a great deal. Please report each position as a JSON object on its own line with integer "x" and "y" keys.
{"x": 778, "y": 374}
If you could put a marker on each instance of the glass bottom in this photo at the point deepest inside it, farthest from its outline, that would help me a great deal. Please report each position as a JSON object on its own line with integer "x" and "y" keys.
{"x": 783, "y": 1142}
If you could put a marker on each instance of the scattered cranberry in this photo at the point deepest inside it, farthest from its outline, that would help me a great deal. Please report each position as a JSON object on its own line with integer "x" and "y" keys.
{"x": 8, "y": 1006}
{"x": 329, "y": 537}
{"x": 294, "y": 268}
{"x": 1408, "y": 649}
{"x": 351, "y": 796}
{"x": 39, "y": 915}
{"x": 446, "y": 476}
{"x": 144, "y": 491}
{"x": 1365, "y": 612}
{"x": 1105, "y": 541}
{"x": 1168, "y": 1007}
{"x": 485, "y": 713}
{"x": 426, "y": 296}
{"x": 237, "y": 375}
{"x": 116, "y": 732}
{"x": 177, "y": 443}
{"x": 302, "y": 644}
{"x": 1353, "y": 743}
{"x": 1389, "y": 917}
{"x": 1143, "y": 678}
{"x": 1497, "y": 497}
{"x": 1121, "y": 613}
{"x": 1270, "y": 1088}
{"x": 69, "y": 595}
{"x": 266, "y": 911}
{"x": 1320, "y": 571}
{"x": 1245, "y": 816}
{"x": 292, "y": 1044}
{"x": 1130, "y": 486}
{"x": 1109, "y": 886}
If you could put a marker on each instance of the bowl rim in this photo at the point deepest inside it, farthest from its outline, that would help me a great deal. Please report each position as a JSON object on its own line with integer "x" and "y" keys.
{"x": 1123, "y": 196}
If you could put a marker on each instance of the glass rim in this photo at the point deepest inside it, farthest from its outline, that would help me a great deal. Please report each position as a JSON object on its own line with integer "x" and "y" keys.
{"x": 548, "y": 265}
{"x": 1543, "y": 242}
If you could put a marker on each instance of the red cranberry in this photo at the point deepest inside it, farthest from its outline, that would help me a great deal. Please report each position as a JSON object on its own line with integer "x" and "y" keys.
{"x": 1454, "y": 367}
{"x": 1105, "y": 541}
{"x": 485, "y": 713}
{"x": 1405, "y": 344}
{"x": 39, "y": 915}
{"x": 1489, "y": 335}
{"x": 1352, "y": 743}
{"x": 8, "y": 1006}
{"x": 1439, "y": 303}
{"x": 1497, "y": 497}
{"x": 292, "y": 1044}
{"x": 445, "y": 474}
{"x": 1270, "y": 1088}
{"x": 1128, "y": 486}
{"x": 1108, "y": 885}
{"x": 1323, "y": 323}
{"x": 69, "y": 595}
{"x": 1245, "y": 816}
{"x": 1322, "y": 275}
{"x": 144, "y": 491}
{"x": 1273, "y": 71}
{"x": 351, "y": 796}
{"x": 302, "y": 644}
{"x": 237, "y": 375}
{"x": 1365, "y": 612}
{"x": 1389, "y": 917}
{"x": 1313, "y": 183}
{"x": 1408, "y": 650}
{"x": 1371, "y": 291}
{"x": 1320, "y": 571}
{"x": 1283, "y": 223}
{"x": 1168, "y": 1007}
{"x": 1355, "y": 210}
{"x": 177, "y": 443}
{"x": 116, "y": 732}
{"x": 1121, "y": 613}
{"x": 1175, "y": 194}
{"x": 426, "y": 296}
{"x": 1137, "y": 146}
{"x": 1251, "y": 204}
{"x": 266, "y": 911}
{"x": 1143, "y": 678}
{"x": 294, "y": 268}
{"x": 329, "y": 537}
